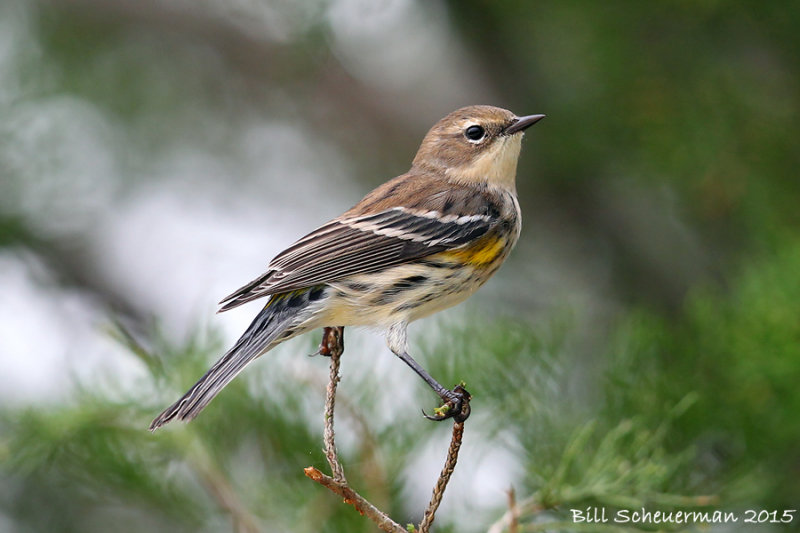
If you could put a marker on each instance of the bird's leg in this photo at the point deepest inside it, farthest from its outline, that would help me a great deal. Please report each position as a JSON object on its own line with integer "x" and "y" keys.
{"x": 456, "y": 401}
{"x": 332, "y": 341}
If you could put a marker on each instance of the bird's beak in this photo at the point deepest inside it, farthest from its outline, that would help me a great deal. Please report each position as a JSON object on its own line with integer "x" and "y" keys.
{"x": 522, "y": 123}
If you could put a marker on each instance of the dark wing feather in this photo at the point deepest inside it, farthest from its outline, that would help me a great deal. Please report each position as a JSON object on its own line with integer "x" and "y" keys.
{"x": 361, "y": 244}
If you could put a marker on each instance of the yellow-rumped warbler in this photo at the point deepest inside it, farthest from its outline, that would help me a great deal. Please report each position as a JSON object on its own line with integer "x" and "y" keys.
{"x": 420, "y": 243}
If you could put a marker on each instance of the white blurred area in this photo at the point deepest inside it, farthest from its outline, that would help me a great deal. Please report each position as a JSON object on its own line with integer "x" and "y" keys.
{"x": 50, "y": 337}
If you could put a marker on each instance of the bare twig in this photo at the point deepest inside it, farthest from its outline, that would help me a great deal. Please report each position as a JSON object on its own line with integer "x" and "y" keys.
{"x": 332, "y": 345}
{"x": 447, "y": 471}
{"x": 374, "y": 469}
{"x": 361, "y": 504}
{"x": 513, "y": 527}
{"x": 528, "y": 506}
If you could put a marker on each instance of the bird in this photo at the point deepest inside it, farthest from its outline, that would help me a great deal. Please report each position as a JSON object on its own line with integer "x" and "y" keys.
{"x": 421, "y": 242}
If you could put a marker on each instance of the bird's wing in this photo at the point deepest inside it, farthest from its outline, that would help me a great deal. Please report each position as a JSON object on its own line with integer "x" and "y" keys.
{"x": 359, "y": 244}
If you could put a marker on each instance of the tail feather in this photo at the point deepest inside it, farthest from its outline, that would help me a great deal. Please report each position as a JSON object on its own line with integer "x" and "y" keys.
{"x": 278, "y": 321}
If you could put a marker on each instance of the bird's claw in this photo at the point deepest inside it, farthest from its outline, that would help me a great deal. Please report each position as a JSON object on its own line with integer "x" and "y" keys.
{"x": 455, "y": 406}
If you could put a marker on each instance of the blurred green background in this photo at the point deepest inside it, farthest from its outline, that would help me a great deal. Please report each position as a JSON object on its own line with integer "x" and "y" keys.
{"x": 641, "y": 347}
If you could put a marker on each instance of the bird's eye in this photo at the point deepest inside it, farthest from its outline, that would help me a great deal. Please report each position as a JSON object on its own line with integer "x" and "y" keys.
{"x": 474, "y": 133}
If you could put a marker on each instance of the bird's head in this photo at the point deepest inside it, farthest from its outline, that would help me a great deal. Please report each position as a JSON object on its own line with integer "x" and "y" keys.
{"x": 475, "y": 144}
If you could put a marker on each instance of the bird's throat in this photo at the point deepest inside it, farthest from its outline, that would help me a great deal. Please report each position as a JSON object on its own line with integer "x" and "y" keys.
{"x": 496, "y": 166}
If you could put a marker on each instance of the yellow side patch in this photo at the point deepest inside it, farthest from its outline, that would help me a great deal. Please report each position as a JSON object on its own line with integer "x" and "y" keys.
{"x": 484, "y": 252}
{"x": 281, "y": 296}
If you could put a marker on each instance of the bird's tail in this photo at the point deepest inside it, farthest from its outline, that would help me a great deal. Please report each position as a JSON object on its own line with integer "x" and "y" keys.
{"x": 285, "y": 316}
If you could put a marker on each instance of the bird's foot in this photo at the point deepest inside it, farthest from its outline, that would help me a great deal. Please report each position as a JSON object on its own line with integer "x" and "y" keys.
{"x": 455, "y": 405}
